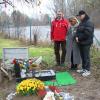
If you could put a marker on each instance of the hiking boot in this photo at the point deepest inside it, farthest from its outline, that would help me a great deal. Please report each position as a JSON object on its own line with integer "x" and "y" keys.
{"x": 86, "y": 73}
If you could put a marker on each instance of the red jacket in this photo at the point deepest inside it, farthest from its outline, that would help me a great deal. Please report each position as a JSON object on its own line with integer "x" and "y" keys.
{"x": 59, "y": 29}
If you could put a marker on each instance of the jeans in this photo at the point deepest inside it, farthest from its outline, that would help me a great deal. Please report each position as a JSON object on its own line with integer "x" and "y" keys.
{"x": 85, "y": 55}
{"x": 60, "y": 45}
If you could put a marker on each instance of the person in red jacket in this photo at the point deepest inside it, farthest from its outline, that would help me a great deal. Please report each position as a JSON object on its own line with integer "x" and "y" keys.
{"x": 59, "y": 29}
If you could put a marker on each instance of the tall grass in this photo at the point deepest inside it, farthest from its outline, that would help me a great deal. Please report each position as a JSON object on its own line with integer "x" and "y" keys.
{"x": 34, "y": 51}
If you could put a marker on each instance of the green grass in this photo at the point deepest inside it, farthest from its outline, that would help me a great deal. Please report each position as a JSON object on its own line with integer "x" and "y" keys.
{"x": 8, "y": 43}
{"x": 95, "y": 53}
{"x": 45, "y": 52}
{"x": 95, "y": 56}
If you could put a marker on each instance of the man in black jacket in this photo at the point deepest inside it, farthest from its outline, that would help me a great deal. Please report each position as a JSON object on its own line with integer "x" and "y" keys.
{"x": 84, "y": 38}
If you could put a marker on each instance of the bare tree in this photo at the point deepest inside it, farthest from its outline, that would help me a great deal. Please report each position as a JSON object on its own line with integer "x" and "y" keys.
{"x": 87, "y": 5}
{"x": 57, "y": 5}
{"x": 4, "y": 21}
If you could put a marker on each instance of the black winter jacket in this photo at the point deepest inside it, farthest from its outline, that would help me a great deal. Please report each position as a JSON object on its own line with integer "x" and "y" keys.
{"x": 85, "y": 32}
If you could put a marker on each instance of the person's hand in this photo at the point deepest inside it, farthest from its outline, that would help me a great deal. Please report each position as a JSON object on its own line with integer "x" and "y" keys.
{"x": 77, "y": 39}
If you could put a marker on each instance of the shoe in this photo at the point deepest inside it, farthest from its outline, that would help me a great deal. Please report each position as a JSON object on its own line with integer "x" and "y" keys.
{"x": 73, "y": 68}
{"x": 62, "y": 65}
{"x": 81, "y": 71}
{"x": 86, "y": 73}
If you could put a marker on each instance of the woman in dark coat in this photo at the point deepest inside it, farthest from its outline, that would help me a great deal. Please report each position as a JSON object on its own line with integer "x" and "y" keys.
{"x": 73, "y": 53}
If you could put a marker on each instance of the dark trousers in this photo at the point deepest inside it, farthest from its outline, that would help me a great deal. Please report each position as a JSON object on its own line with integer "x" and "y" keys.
{"x": 60, "y": 45}
{"x": 85, "y": 55}
{"x": 72, "y": 64}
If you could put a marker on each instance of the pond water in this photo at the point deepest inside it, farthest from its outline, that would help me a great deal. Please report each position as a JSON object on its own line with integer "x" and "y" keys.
{"x": 43, "y": 33}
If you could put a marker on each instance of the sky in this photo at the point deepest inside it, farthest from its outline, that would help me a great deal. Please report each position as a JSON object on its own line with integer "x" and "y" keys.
{"x": 28, "y": 9}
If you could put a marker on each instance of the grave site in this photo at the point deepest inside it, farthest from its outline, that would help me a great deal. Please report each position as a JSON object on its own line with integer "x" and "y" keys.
{"x": 24, "y": 77}
{"x": 36, "y": 39}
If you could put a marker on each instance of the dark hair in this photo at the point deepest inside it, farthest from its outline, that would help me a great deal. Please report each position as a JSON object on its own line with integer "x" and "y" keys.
{"x": 81, "y": 12}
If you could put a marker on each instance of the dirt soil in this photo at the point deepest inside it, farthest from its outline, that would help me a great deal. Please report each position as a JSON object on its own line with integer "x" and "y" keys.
{"x": 85, "y": 89}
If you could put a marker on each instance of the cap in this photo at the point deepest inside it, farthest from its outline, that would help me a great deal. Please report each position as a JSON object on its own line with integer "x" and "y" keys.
{"x": 81, "y": 13}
